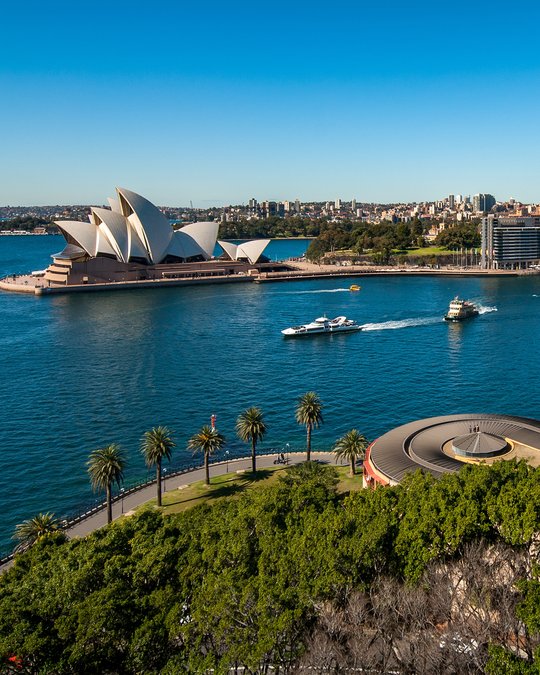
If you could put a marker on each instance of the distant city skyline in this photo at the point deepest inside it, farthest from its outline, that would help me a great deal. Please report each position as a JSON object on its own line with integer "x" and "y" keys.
{"x": 218, "y": 103}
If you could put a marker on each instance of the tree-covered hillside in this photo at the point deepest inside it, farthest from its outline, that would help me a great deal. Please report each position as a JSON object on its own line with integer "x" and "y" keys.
{"x": 430, "y": 576}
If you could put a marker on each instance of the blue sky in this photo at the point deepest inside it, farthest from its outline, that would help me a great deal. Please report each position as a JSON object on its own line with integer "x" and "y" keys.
{"x": 219, "y": 102}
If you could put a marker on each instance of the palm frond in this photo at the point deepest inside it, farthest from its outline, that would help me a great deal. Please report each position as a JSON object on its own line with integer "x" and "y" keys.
{"x": 106, "y": 466}
{"x": 156, "y": 445}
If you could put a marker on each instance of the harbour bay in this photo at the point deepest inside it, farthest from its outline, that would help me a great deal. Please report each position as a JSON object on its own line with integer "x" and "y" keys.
{"x": 84, "y": 371}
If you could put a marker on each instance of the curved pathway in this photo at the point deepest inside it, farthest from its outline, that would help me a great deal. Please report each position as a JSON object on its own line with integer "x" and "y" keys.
{"x": 135, "y": 499}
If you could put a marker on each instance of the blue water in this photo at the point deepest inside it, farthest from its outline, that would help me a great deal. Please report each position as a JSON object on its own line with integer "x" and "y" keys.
{"x": 81, "y": 371}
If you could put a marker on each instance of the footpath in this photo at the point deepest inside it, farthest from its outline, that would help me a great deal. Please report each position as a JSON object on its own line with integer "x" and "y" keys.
{"x": 128, "y": 503}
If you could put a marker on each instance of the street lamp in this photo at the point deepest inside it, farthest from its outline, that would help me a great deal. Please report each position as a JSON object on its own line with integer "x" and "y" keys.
{"x": 227, "y": 461}
{"x": 164, "y": 480}
{"x": 122, "y": 499}
{"x": 288, "y": 450}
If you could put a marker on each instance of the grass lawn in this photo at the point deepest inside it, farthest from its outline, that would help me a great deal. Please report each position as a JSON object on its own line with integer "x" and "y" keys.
{"x": 429, "y": 250}
{"x": 349, "y": 483}
{"x": 228, "y": 485}
{"x": 235, "y": 484}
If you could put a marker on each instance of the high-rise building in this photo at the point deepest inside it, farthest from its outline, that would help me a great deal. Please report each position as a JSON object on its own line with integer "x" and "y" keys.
{"x": 353, "y": 205}
{"x": 337, "y": 204}
{"x": 297, "y": 206}
{"x": 269, "y": 208}
{"x": 482, "y": 203}
{"x": 451, "y": 201}
{"x": 510, "y": 242}
{"x": 253, "y": 203}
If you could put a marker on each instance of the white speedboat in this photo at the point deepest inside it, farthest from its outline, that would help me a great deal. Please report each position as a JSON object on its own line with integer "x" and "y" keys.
{"x": 323, "y": 325}
{"x": 460, "y": 310}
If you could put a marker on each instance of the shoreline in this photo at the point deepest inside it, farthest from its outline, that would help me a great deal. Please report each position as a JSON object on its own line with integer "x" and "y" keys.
{"x": 124, "y": 503}
{"x": 300, "y": 271}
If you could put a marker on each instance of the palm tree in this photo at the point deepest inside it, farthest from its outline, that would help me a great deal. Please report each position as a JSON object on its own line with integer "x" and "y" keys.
{"x": 351, "y": 447}
{"x": 105, "y": 467}
{"x": 35, "y": 529}
{"x": 309, "y": 415}
{"x": 251, "y": 428}
{"x": 207, "y": 441}
{"x": 155, "y": 445}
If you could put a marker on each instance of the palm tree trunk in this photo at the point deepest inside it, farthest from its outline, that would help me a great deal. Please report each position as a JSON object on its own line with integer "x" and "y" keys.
{"x": 253, "y": 460}
{"x": 353, "y": 467}
{"x": 308, "y": 443}
{"x": 206, "y": 469}
{"x": 158, "y": 481}
{"x": 109, "y": 503}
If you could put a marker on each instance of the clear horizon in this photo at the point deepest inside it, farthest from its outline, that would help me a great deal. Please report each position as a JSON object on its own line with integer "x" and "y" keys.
{"x": 218, "y": 104}
{"x": 202, "y": 206}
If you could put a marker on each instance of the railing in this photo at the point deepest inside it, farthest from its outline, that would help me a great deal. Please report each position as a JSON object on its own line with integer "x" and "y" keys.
{"x": 93, "y": 507}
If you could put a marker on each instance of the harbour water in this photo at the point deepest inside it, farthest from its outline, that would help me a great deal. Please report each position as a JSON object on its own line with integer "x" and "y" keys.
{"x": 82, "y": 371}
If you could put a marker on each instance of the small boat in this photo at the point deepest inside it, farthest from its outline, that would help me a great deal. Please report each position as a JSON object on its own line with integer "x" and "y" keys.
{"x": 323, "y": 325}
{"x": 460, "y": 310}
{"x": 354, "y": 287}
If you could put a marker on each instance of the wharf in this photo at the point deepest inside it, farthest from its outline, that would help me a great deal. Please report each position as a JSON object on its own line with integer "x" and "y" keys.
{"x": 305, "y": 270}
{"x": 36, "y": 286}
{"x": 299, "y": 271}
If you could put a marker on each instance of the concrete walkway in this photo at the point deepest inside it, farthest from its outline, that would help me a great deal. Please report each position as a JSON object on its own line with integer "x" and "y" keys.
{"x": 135, "y": 499}
{"x": 139, "y": 497}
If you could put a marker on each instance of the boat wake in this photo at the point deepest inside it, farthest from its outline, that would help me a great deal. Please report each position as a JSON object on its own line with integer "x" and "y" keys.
{"x": 404, "y": 323}
{"x": 320, "y": 290}
{"x": 485, "y": 310}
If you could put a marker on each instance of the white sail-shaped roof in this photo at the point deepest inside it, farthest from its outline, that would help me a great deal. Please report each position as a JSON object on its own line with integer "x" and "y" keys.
{"x": 81, "y": 233}
{"x": 116, "y": 228}
{"x": 252, "y": 250}
{"x": 229, "y": 248}
{"x": 205, "y": 234}
{"x": 135, "y": 229}
{"x": 114, "y": 204}
{"x": 249, "y": 250}
{"x": 151, "y": 225}
{"x": 137, "y": 248}
{"x": 103, "y": 245}
{"x": 184, "y": 246}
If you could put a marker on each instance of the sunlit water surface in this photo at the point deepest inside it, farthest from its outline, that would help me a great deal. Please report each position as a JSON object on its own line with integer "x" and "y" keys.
{"x": 81, "y": 371}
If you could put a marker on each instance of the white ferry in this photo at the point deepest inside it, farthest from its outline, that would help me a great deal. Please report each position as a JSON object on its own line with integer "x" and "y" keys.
{"x": 460, "y": 309}
{"x": 323, "y": 325}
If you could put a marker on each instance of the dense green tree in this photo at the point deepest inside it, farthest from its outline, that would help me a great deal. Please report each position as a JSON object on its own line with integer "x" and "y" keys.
{"x": 105, "y": 467}
{"x": 25, "y": 223}
{"x": 157, "y": 445}
{"x": 251, "y": 428}
{"x": 309, "y": 414}
{"x": 208, "y": 441}
{"x": 460, "y": 236}
{"x": 421, "y": 577}
{"x": 352, "y": 447}
{"x": 403, "y": 236}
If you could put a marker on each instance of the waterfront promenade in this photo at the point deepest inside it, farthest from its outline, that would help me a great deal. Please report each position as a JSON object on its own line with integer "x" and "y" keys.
{"x": 299, "y": 271}
{"x": 127, "y": 504}
{"x": 137, "y": 498}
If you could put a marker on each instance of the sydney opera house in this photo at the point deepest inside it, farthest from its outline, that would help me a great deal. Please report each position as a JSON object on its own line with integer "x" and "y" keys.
{"x": 133, "y": 241}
